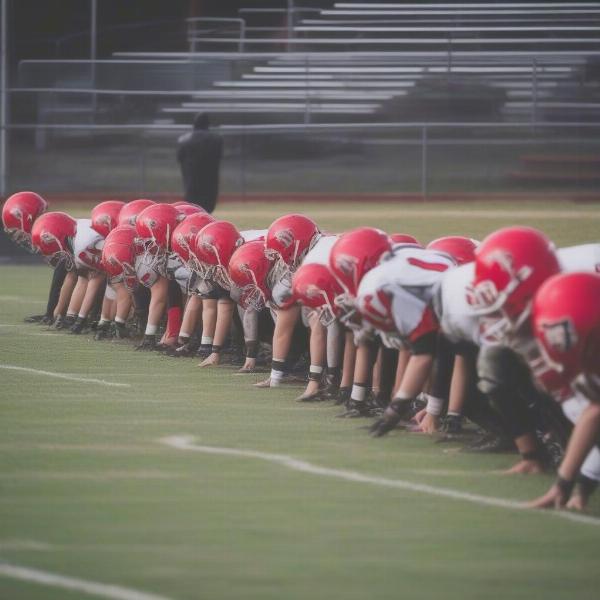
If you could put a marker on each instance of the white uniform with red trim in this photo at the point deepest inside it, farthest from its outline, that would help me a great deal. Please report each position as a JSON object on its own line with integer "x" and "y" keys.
{"x": 403, "y": 287}
{"x": 458, "y": 322}
{"x": 147, "y": 270}
{"x": 87, "y": 246}
{"x": 585, "y": 257}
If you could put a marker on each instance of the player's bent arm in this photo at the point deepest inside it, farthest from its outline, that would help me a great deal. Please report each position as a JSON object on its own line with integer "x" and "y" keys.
{"x": 124, "y": 302}
{"x": 282, "y": 338}
{"x": 158, "y": 304}
{"x": 415, "y": 377}
{"x": 78, "y": 295}
{"x": 209, "y": 320}
{"x": 224, "y": 317}
{"x": 348, "y": 361}
{"x": 94, "y": 285}
{"x": 191, "y": 315}
{"x": 318, "y": 350}
{"x": 66, "y": 291}
{"x": 583, "y": 438}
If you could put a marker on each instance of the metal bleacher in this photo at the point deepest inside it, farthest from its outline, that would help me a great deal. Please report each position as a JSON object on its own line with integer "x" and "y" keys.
{"x": 421, "y": 96}
{"x": 348, "y": 62}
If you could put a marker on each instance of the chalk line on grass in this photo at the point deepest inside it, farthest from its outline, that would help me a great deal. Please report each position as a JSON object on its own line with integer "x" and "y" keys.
{"x": 21, "y": 300}
{"x": 24, "y": 545}
{"x": 64, "y": 376}
{"x": 186, "y": 442}
{"x": 103, "y": 590}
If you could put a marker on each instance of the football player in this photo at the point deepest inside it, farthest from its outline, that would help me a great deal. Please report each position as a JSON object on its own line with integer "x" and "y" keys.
{"x": 18, "y": 215}
{"x": 566, "y": 325}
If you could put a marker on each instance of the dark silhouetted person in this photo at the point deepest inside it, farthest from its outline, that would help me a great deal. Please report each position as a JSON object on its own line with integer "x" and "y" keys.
{"x": 199, "y": 156}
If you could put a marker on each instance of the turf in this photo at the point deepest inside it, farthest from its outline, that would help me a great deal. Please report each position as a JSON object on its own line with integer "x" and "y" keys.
{"x": 89, "y": 491}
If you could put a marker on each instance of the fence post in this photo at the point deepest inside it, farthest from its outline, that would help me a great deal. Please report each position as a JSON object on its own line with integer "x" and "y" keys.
{"x": 424, "y": 162}
{"x": 3, "y": 98}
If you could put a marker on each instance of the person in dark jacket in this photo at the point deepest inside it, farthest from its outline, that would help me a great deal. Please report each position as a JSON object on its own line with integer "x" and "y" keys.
{"x": 199, "y": 155}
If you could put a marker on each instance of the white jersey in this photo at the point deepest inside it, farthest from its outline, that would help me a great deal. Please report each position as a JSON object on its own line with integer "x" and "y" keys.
{"x": 147, "y": 273}
{"x": 251, "y": 235}
{"x": 403, "y": 287}
{"x": 457, "y": 319}
{"x": 585, "y": 257}
{"x": 87, "y": 246}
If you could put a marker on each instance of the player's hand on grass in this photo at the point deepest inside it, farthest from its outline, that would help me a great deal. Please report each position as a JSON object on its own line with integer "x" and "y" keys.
{"x": 266, "y": 383}
{"x": 526, "y": 467}
{"x": 148, "y": 343}
{"x": 556, "y": 497}
{"x": 213, "y": 359}
{"x": 34, "y": 319}
{"x": 249, "y": 366}
{"x": 429, "y": 423}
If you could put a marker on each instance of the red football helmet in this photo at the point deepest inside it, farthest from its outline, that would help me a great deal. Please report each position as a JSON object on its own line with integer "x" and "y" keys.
{"x": 105, "y": 216}
{"x": 119, "y": 254}
{"x": 405, "y": 238}
{"x": 566, "y": 323}
{"x": 185, "y": 233}
{"x": 154, "y": 226}
{"x": 355, "y": 254}
{"x": 52, "y": 235}
{"x": 132, "y": 209}
{"x": 18, "y": 214}
{"x": 510, "y": 266}
{"x": 315, "y": 286}
{"x": 249, "y": 269}
{"x": 213, "y": 247}
{"x": 288, "y": 240}
{"x": 461, "y": 249}
{"x": 187, "y": 209}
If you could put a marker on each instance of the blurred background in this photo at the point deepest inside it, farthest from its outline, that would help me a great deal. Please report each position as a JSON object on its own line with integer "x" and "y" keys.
{"x": 313, "y": 97}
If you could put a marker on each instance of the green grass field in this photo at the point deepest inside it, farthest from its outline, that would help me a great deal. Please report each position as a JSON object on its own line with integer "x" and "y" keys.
{"x": 90, "y": 490}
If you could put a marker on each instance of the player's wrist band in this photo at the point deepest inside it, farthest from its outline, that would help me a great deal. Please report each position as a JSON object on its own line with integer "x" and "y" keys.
{"x": 565, "y": 486}
{"x": 215, "y": 349}
{"x": 252, "y": 349}
{"x": 434, "y": 405}
{"x": 585, "y": 485}
{"x": 532, "y": 455}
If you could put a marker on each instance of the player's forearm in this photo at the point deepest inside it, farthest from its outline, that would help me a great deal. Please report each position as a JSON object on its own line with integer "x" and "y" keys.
{"x": 66, "y": 291}
{"x": 282, "y": 339}
{"x": 349, "y": 361}
{"x": 209, "y": 320}
{"x": 458, "y": 386}
{"x": 77, "y": 296}
{"x": 191, "y": 314}
{"x": 584, "y": 436}
{"x": 415, "y": 376}
{"x": 158, "y": 305}
{"x": 123, "y": 302}
{"x": 91, "y": 292}
{"x": 284, "y": 329}
{"x": 224, "y": 317}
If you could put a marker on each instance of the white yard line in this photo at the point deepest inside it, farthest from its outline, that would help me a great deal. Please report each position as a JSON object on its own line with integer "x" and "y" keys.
{"x": 21, "y": 300}
{"x": 24, "y": 545}
{"x": 103, "y": 590}
{"x": 186, "y": 442}
{"x": 64, "y": 376}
